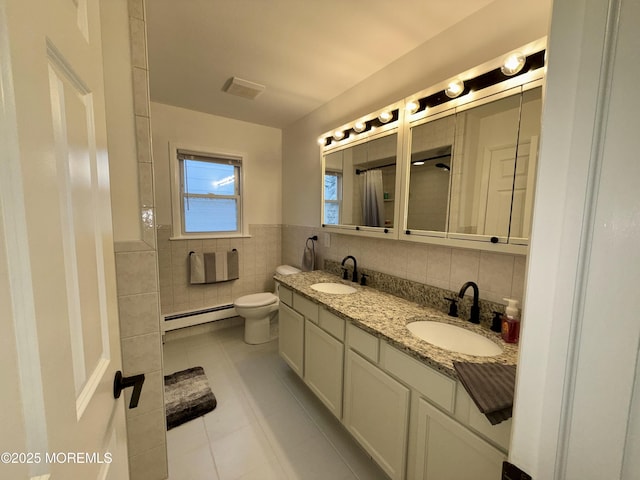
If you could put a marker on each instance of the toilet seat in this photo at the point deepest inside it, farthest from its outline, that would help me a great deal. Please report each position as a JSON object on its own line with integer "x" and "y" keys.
{"x": 255, "y": 300}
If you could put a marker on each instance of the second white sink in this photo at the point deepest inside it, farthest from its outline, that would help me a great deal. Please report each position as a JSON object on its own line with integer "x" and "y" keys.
{"x": 334, "y": 288}
{"x": 455, "y": 339}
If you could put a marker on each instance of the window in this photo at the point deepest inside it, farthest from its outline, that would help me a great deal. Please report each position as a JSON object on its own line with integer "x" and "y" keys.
{"x": 332, "y": 197}
{"x": 210, "y": 201}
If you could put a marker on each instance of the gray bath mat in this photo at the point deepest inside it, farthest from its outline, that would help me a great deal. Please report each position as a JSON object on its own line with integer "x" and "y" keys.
{"x": 187, "y": 395}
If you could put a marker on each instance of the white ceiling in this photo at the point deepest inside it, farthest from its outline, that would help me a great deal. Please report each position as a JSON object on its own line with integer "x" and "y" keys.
{"x": 306, "y": 52}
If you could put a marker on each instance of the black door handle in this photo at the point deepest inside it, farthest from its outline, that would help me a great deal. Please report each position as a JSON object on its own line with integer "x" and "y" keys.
{"x": 135, "y": 381}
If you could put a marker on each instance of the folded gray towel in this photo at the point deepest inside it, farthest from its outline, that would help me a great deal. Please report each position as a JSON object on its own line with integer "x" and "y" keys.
{"x": 213, "y": 267}
{"x": 196, "y": 261}
{"x": 491, "y": 386}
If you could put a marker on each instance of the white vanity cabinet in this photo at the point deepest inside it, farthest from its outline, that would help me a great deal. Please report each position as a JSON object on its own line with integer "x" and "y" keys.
{"x": 291, "y": 338}
{"x": 376, "y": 412}
{"x": 414, "y": 421}
{"x": 446, "y": 450}
{"x": 311, "y": 342}
{"x": 291, "y": 329}
{"x": 441, "y": 444}
{"x": 324, "y": 359}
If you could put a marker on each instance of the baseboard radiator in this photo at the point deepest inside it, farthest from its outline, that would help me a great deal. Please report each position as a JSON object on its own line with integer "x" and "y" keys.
{"x": 174, "y": 321}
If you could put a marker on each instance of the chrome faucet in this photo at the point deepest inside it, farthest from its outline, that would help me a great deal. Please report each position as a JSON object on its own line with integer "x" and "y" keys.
{"x": 475, "y": 308}
{"x": 355, "y": 268}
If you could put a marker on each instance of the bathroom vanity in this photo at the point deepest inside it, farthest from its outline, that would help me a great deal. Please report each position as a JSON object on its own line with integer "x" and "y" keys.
{"x": 396, "y": 394}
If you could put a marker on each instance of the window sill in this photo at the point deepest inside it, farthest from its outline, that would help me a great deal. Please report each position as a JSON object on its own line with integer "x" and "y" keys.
{"x": 208, "y": 237}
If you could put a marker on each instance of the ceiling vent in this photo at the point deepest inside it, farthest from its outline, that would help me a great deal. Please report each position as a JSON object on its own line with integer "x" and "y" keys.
{"x": 243, "y": 88}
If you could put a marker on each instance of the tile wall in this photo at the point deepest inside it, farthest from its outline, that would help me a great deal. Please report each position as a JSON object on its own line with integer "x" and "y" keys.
{"x": 138, "y": 288}
{"x": 497, "y": 275}
{"x": 258, "y": 255}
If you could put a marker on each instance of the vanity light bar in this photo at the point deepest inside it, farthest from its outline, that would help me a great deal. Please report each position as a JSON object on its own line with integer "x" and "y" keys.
{"x": 493, "y": 77}
{"x": 488, "y": 79}
{"x": 368, "y": 125}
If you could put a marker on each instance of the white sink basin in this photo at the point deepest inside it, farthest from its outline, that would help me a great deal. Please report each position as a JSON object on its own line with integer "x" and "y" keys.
{"x": 333, "y": 288}
{"x": 455, "y": 339}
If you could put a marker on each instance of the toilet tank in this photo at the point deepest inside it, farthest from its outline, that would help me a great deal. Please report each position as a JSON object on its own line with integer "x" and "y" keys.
{"x": 284, "y": 270}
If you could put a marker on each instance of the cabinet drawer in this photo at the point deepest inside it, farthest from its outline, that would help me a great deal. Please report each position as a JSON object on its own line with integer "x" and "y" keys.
{"x": 286, "y": 295}
{"x": 332, "y": 324}
{"x": 434, "y": 386}
{"x": 306, "y": 307}
{"x": 364, "y": 343}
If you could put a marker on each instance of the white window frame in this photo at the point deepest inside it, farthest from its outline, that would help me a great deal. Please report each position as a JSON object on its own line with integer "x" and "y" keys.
{"x": 177, "y": 204}
{"x": 338, "y": 201}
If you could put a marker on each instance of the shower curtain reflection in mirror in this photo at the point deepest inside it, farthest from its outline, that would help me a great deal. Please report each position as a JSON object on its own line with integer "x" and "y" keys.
{"x": 373, "y": 198}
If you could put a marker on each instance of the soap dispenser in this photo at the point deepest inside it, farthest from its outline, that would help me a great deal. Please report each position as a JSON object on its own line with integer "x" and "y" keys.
{"x": 511, "y": 321}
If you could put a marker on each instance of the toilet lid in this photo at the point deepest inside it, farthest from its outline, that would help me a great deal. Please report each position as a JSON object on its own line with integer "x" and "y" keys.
{"x": 287, "y": 270}
{"x": 255, "y": 300}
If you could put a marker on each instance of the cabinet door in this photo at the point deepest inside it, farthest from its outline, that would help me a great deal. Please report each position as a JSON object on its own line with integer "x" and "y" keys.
{"x": 291, "y": 338}
{"x": 376, "y": 413}
{"x": 323, "y": 360}
{"x": 448, "y": 451}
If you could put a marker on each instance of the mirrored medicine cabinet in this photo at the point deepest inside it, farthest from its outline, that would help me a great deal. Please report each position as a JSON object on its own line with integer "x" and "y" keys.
{"x": 460, "y": 174}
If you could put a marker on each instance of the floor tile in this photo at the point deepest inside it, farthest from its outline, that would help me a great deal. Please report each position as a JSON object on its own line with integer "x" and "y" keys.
{"x": 197, "y": 464}
{"x": 267, "y": 424}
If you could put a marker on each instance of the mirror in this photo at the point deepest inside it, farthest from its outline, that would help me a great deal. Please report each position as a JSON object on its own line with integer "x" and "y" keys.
{"x": 483, "y": 168}
{"x": 527, "y": 156}
{"x": 360, "y": 184}
{"x": 485, "y": 191}
{"x": 429, "y": 171}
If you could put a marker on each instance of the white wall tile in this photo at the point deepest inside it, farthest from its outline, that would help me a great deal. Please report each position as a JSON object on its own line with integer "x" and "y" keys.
{"x": 439, "y": 266}
{"x": 138, "y": 43}
{"x": 143, "y": 139}
{"x": 465, "y": 266}
{"x": 136, "y": 272}
{"x": 150, "y": 465}
{"x": 146, "y": 432}
{"x": 141, "y": 354}
{"x": 496, "y": 275}
{"x": 138, "y": 314}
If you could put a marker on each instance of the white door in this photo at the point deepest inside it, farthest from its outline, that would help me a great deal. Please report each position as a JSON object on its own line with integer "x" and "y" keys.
{"x": 60, "y": 347}
{"x": 495, "y": 219}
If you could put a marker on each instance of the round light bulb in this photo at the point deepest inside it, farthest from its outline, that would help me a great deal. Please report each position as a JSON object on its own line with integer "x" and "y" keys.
{"x": 454, "y": 89}
{"x": 338, "y": 135}
{"x": 412, "y": 107}
{"x": 513, "y": 64}
{"x": 385, "y": 116}
{"x": 322, "y": 141}
{"x": 359, "y": 127}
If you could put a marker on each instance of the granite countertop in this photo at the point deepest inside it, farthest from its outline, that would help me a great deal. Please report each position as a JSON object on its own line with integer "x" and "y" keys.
{"x": 386, "y": 316}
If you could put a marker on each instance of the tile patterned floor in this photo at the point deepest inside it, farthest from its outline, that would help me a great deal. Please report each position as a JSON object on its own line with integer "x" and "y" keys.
{"x": 267, "y": 424}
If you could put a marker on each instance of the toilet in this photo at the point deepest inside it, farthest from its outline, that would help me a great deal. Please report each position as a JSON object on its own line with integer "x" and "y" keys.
{"x": 258, "y": 309}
